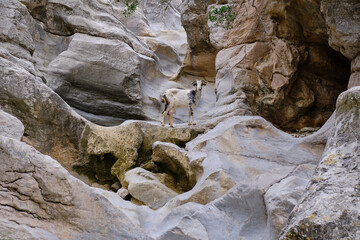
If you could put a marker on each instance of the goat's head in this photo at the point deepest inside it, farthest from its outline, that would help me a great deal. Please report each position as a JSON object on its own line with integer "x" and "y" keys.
{"x": 199, "y": 84}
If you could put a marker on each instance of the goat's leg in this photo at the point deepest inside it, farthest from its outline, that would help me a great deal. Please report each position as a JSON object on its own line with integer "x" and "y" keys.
{"x": 189, "y": 123}
{"x": 191, "y": 115}
{"x": 162, "y": 117}
{"x": 166, "y": 111}
{"x": 192, "y": 119}
{"x": 169, "y": 119}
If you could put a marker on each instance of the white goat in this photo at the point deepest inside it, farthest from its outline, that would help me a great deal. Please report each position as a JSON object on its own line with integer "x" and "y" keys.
{"x": 175, "y": 97}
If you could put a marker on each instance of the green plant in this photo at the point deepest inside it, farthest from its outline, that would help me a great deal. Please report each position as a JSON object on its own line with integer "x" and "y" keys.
{"x": 131, "y": 6}
{"x": 222, "y": 16}
{"x": 165, "y": 3}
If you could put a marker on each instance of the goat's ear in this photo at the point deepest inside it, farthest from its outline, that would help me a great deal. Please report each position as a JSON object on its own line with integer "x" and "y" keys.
{"x": 203, "y": 83}
{"x": 194, "y": 83}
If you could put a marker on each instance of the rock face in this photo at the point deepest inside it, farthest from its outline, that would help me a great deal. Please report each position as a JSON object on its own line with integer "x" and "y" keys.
{"x": 245, "y": 163}
{"x": 108, "y": 153}
{"x": 47, "y": 203}
{"x": 50, "y": 124}
{"x": 342, "y": 20}
{"x": 274, "y": 55}
{"x": 329, "y": 209}
{"x": 229, "y": 177}
{"x": 200, "y": 57}
{"x": 100, "y": 67}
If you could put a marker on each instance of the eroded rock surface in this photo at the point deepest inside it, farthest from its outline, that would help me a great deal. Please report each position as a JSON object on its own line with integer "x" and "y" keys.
{"x": 10, "y": 126}
{"x": 39, "y": 199}
{"x": 246, "y": 162}
{"x": 147, "y": 188}
{"x": 329, "y": 209}
{"x": 274, "y": 61}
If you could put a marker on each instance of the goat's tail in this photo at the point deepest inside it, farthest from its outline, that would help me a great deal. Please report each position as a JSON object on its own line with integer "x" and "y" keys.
{"x": 163, "y": 98}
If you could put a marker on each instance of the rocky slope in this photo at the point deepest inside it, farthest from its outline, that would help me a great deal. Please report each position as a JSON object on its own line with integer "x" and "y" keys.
{"x": 67, "y": 66}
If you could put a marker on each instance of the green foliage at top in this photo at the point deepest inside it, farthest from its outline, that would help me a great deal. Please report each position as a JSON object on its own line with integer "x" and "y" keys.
{"x": 130, "y": 7}
{"x": 165, "y": 3}
{"x": 222, "y": 16}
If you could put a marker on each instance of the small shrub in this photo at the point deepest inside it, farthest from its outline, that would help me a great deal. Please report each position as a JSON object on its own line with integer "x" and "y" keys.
{"x": 222, "y": 16}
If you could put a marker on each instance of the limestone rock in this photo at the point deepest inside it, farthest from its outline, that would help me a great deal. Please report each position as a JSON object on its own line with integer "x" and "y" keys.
{"x": 114, "y": 148}
{"x": 123, "y": 192}
{"x": 328, "y": 209}
{"x": 129, "y": 71}
{"x": 14, "y": 33}
{"x": 10, "y": 126}
{"x": 200, "y": 57}
{"x": 50, "y": 124}
{"x": 174, "y": 162}
{"x": 109, "y": 87}
{"x": 355, "y": 76}
{"x": 282, "y": 197}
{"x": 108, "y": 153}
{"x": 215, "y": 186}
{"x": 69, "y": 17}
{"x": 39, "y": 199}
{"x": 342, "y": 21}
{"x": 243, "y": 159}
{"x": 273, "y": 55}
{"x": 153, "y": 132}
{"x": 147, "y": 188}
{"x": 169, "y": 59}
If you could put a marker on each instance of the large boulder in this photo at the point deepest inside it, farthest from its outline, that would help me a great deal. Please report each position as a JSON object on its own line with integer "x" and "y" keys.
{"x": 99, "y": 77}
{"x": 329, "y": 209}
{"x": 146, "y": 187}
{"x": 342, "y": 22}
{"x": 107, "y": 153}
{"x": 39, "y": 199}
{"x": 173, "y": 161}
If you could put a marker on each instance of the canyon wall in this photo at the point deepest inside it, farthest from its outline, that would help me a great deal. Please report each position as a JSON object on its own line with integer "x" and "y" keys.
{"x": 68, "y": 67}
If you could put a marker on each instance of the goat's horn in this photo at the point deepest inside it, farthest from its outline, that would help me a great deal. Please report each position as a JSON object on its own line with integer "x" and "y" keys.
{"x": 194, "y": 83}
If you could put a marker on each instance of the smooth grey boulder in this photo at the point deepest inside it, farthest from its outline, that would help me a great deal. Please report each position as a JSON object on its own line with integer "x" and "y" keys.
{"x": 99, "y": 76}
{"x": 343, "y": 24}
{"x": 146, "y": 187}
{"x": 14, "y": 34}
{"x": 10, "y": 126}
{"x": 330, "y": 207}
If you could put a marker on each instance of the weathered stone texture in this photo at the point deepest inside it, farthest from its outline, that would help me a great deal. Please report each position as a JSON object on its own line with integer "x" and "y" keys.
{"x": 329, "y": 209}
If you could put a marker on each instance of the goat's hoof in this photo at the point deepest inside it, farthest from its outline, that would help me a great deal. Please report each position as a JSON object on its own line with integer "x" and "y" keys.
{"x": 189, "y": 124}
{"x": 171, "y": 126}
{"x": 162, "y": 124}
{"x": 194, "y": 123}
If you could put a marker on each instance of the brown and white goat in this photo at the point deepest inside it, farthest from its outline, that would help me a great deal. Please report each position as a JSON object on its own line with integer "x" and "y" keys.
{"x": 176, "y": 98}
